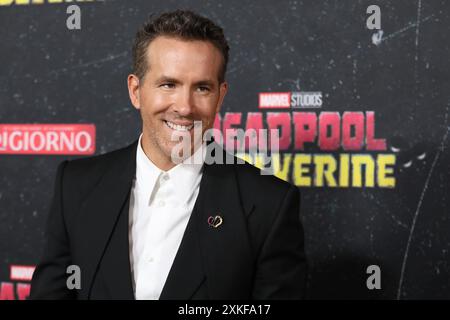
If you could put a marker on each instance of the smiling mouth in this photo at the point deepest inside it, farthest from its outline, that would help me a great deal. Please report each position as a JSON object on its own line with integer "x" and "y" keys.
{"x": 178, "y": 127}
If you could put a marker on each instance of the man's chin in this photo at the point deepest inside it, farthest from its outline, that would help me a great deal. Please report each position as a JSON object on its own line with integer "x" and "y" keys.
{"x": 177, "y": 153}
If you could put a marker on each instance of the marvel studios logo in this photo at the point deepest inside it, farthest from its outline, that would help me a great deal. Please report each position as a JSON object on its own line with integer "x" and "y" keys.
{"x": 21, "y": 273}
{"x": 283, "y": 100}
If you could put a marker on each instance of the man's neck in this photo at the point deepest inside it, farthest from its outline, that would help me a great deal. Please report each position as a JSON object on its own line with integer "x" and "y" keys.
{"x": 158, "y": 158}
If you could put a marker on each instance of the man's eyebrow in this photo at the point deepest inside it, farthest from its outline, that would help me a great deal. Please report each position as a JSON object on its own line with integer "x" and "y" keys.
{"x": 167, "y": 79}
{"x": 205, "y": 82}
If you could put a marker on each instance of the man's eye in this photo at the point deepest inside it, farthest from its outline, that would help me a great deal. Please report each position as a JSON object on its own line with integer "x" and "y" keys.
{"x": 203, "y": 89}
{"x": 168, "y": 85}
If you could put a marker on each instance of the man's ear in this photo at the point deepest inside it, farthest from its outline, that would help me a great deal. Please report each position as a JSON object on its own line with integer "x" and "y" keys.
{"x": 223, "y": 88}
{"x": 133, "y": 90}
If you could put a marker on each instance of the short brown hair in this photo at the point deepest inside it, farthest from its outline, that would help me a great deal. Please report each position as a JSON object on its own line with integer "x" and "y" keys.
{"x": 183, "y": 24}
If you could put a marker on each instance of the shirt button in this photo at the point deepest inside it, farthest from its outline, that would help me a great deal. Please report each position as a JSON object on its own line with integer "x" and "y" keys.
{"x": 151, "y": 259}
{"x": 165, "y": 177}
{"x": 161, "y": 203}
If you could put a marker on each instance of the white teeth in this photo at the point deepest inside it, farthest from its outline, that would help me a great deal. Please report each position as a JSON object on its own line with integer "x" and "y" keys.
{"x": 178, "y": 127}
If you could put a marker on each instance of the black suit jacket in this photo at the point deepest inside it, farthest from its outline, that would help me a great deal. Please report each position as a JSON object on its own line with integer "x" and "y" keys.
{"x": 257, "y": 252}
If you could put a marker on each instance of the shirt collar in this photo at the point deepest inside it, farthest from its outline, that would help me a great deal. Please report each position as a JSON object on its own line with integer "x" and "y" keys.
{"x": 185, "y": 175}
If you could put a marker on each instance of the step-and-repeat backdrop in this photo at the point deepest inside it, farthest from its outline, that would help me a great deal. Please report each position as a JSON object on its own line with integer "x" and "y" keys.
{"x": 359, "y": 94}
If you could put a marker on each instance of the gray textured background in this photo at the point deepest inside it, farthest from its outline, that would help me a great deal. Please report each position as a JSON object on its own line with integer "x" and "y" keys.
{"x": 49, "y": 74}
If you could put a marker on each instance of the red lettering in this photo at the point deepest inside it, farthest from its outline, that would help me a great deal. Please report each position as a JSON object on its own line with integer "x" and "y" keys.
{"x": 330, "y": 120}
{"x": 355, "y": 120}
{"x": 305, "y": 128}
{"x": 230, "y": 134}
{"x": 372, "y": 143}
{"x": 282, "y": 120}
{"x": 6, "y": 291}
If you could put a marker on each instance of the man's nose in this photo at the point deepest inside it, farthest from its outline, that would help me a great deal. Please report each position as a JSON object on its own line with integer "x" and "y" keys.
{"x": 185, "y": 102}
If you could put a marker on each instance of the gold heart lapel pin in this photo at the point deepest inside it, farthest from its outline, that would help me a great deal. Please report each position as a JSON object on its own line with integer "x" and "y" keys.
{"x": 215, "y": 222}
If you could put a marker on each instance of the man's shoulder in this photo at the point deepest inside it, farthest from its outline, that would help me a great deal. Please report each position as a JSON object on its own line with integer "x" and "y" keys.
{"x": 96, "y": 165}
{"x": 260, "y": 184}
{"x": 265, "y": 196}
{"x": 254, "y": 181}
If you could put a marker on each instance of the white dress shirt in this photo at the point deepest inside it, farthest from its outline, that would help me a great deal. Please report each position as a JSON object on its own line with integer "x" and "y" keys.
{"x": 161, "y": 203}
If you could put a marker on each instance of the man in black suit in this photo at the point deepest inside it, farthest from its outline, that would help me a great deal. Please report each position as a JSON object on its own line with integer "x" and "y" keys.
{"x": 141, "y": 224}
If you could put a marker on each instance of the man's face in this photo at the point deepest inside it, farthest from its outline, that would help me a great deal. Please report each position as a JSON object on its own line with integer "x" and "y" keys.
{"x": 181, "y": 86}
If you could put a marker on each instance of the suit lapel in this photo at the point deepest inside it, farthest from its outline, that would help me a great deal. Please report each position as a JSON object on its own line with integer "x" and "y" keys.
{"x": 187, "y": 272}
{"x": 214, "y": 254}
{"x": 105, "y": 226}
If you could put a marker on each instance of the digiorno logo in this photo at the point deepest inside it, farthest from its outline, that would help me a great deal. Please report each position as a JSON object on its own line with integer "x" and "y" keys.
{"x": 56, "y": 139}
{"x": 38, "y": 2}
{"x": 18, "y": 288}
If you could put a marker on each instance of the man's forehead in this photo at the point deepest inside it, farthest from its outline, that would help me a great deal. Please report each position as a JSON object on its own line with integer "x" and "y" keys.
{"x": 177, "y": 56}
{"x": 165, "y": 45}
